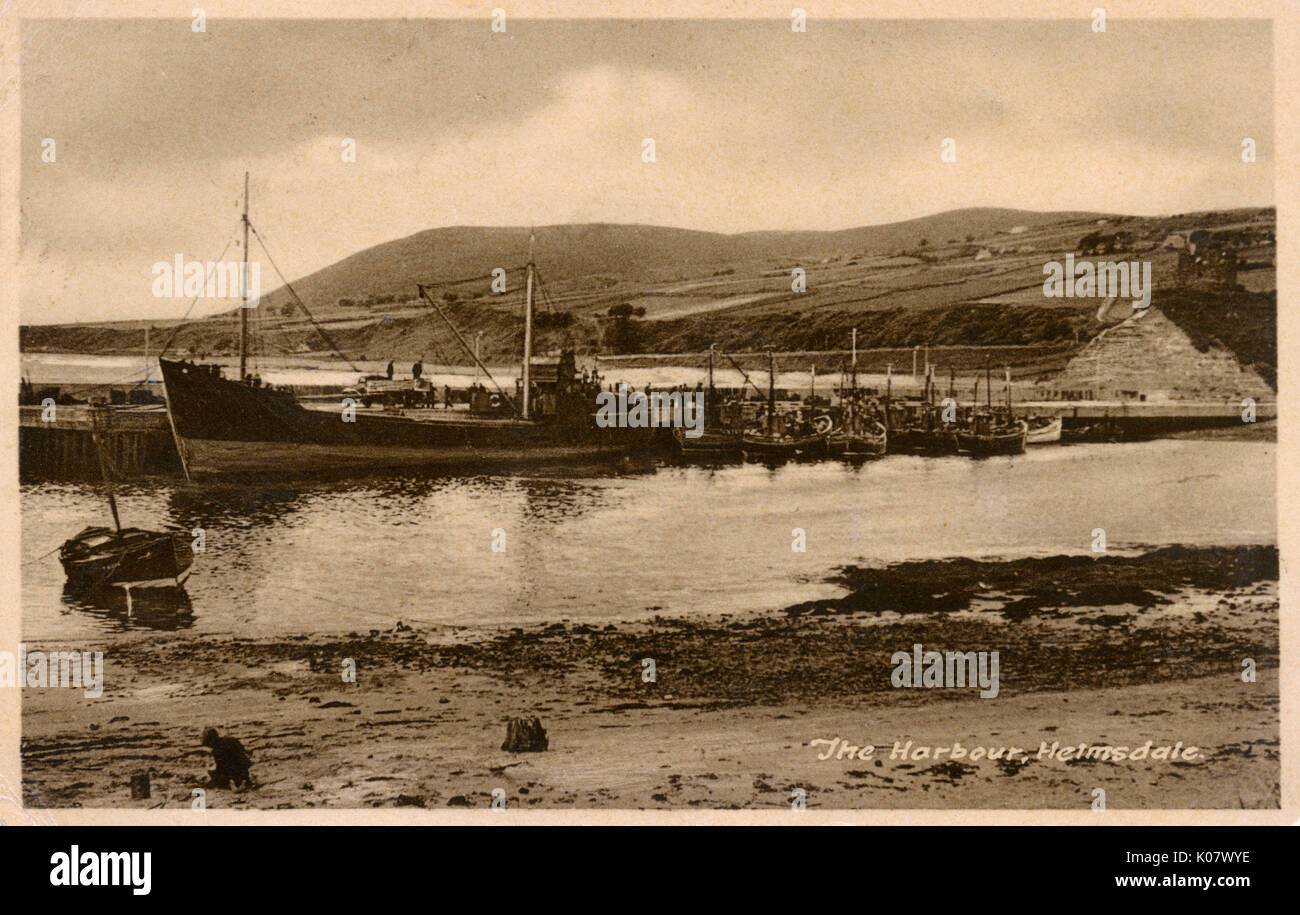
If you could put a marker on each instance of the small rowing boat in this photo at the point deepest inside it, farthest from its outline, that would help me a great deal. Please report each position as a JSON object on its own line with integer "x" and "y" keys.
{"x": 127, "y": 557}
{"x": 1043, "y": 430}
{"x": 122, "y": 556}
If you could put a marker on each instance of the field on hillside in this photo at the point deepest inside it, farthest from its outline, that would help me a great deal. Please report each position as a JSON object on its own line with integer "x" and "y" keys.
{"x": 967, "y": 278}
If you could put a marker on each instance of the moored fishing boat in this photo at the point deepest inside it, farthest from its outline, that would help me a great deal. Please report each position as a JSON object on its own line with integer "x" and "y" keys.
{"x": 869, "y": 439}
{"x": 717, "y": 440}
{"x": 778, "y": 439}
{"x": 860, "y": 434}
{"x": 709, "y": 443}
{"x": 786, "y": 446}
{"x": 989, "y": 435}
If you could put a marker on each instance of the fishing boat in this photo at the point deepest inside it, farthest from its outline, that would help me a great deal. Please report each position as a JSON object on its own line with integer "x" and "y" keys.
{"x": 786, "y": 446}
{"x": 859, "y": 435}
{"x": 709, "y": 444}
{"x": 774, "y": 440}
{"x": 918, "y": 428}
{"x": 991, "y": 434}
{"x": 868, "y": 439}
{"x": 1043, "y": 430}
{"x": 716, "y": 441}
{"x": 993, "y": 431}
{"x": 100, "y": 557}
{"x": 233, "y": 428}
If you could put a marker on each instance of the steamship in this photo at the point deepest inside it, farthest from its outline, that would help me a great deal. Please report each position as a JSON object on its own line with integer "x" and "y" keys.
{"x": 236, "y": 428}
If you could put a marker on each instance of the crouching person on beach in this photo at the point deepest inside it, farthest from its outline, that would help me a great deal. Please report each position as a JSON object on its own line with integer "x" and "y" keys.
{"x": 231, "y": 761}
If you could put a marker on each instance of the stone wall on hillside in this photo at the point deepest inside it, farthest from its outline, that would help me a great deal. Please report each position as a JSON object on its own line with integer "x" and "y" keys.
{"x": 1149, "y": 355}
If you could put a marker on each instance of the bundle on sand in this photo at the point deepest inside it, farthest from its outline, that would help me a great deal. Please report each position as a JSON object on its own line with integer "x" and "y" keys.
{"x": 525, "y": 735}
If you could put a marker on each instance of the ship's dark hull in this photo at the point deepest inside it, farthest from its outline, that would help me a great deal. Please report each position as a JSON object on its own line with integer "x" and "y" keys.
{"x": 761, "y": 446}
{"x": 921, "y": 441}
{"x": 863, "y": 444}
{"x": 224, "y": 428}
{"x": 1006, "y": 442}
{"x": 708, "y": 444}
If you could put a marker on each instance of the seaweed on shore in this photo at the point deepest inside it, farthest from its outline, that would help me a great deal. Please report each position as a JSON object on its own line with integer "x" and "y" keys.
{"x": 1027, "y": 586}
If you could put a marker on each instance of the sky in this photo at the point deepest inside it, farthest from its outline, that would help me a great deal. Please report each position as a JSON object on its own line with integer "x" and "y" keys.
{"x": 755, "y": 127}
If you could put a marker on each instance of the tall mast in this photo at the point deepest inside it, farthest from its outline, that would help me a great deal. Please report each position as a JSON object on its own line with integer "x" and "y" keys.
{"x": 528, "y": 330}
{"x": 771, "y": 391}
{"x": 243, "y": 293}
{"x": 710, "y": 370}
{"x": 988, "y": 384}
{"x": 855, "y": 359}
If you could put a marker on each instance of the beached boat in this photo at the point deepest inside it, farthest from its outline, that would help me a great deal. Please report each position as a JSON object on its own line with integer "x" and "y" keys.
{"x": 240, "y": 428}
{"x": 989, "y": 435}
{"x": 1043, "y": 430}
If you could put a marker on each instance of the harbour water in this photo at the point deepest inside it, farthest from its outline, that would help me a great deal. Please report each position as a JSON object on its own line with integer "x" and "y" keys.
{"x": 364, "y": 554}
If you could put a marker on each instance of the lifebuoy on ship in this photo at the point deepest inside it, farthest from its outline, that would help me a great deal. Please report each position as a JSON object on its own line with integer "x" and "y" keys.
{"x": 823, "y": 424}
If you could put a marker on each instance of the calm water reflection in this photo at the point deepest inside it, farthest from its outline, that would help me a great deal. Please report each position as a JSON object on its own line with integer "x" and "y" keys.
{"x": 681, "y": 540}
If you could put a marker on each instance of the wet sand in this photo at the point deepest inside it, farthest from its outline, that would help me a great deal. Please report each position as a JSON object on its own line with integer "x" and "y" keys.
{"x": 1115, "y": 651}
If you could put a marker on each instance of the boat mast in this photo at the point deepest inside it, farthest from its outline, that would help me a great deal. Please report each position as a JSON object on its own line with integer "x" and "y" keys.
{"x": 855, "y": 359}
{"x": 988, "y": 385}
{"x": 243, "y": 293}
{"x": 771, "y": 391}
{"x": 853, "y": 384}
{"x": 528, "y": 330}
{"x": 103, "y": 464}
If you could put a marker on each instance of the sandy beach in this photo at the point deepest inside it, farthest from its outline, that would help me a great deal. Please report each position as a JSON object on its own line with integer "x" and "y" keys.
{"x": 1105, "y": 652}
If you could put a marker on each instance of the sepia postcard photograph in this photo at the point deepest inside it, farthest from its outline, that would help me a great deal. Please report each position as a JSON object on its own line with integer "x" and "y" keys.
{"x": 540, "y": 412}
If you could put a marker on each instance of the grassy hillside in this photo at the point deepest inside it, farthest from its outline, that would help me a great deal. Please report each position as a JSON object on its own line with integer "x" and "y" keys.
{"x": 963, "y": 278}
